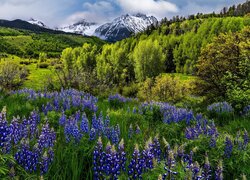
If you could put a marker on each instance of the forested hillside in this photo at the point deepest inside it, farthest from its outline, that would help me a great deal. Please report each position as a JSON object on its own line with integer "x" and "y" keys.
{"x": 29, "y": 44}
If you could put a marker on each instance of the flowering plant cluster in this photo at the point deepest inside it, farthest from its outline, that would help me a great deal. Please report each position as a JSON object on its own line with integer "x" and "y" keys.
{"x": 15, "y": 139}
{"x": 108, "y": 162}
{"x": 63, "y": 100}
{"x": 78, "y": 125}
{"x": 220, "y": 108}
{"x": 170, "y": 114}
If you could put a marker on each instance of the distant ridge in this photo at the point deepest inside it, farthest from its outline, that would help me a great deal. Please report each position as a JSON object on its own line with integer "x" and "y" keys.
{"x": 24, "y": 25}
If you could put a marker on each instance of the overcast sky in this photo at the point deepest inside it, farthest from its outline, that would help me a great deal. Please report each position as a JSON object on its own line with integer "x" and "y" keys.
{"x": 62, "y": 12}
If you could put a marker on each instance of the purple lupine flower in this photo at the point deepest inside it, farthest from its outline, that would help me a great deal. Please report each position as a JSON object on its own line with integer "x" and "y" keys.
{"x": 84, "y": 127}
{"x": 156, "y": 148}
{"x": 122, "y": 155}
{"x": 114, "y": 136}
{"x": 95, "y": 122}
{"x": 220, "y": 108}
{"x": 51, "y": 155}
{"x": 44, "y": 164}
{"x": 137, "y": 130}
{"x": 5, "y": 133}
{"x": 100, "y": 126}
{"x": 72, "y": 131}
{"x": 92, "y": 134}
{"x": 228, "y": 148}
{"x": 98, "y": 161}
{"x": 219, "y": 171}
{"x": 212, "y": 142}
{"x": 135, "y": 165}
{"x": 245, "y": 138}
{"x": 207, "y": 169}
{"x": 78, "y": 116}
{"x": 47, "y": 137}
{"x": 106, "y": 130}
{"x": 147, "y": 156}
{"x": 27, "y": 158}
{"x": 169, "y": 166}
{"x": 111, "y": 167}
{"x": 16, "y": 130}
{"x": 196, "y": 170}
{"x": 246, "y": 111}
{"x": 180, "y": 151}
{"x": 62, "y": 119}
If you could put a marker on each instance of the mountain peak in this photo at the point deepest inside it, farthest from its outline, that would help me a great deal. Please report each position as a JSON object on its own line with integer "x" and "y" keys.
{"x": 125, "y": 25}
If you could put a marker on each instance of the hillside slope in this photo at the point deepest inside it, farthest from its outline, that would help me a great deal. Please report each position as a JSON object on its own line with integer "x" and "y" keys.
{"x": 30, "y": 44}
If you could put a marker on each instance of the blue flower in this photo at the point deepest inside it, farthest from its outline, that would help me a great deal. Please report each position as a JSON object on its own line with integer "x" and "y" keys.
{"x": 62, "y": 119}
{"x": 98, "y": 160}
{"x": 84, "y": 127}
{"x": 5, "y": 133}
{"x": 169, "y": 166}
{"x": 122, "y": 155}
{"x": 92, "y": 134}
{"x": 228, "y": 148}
{"x": 135, "y": 165}
{"x": 245, "y": 138}
{"x": 219, "y": 171}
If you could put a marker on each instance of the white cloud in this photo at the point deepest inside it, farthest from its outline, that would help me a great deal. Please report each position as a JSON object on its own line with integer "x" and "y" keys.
{"x": 47, "y": 11}
{"x": 159, "y": 8}
{"x": 98, "y": 12}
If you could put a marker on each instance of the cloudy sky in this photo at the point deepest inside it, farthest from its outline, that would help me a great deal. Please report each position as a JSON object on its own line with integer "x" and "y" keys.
{"x": 62, "y": 12}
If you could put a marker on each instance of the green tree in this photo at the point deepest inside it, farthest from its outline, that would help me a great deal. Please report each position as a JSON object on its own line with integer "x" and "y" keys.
{"x": 149, "y": 59}
{"x": 224, "y": 67}
{"x": 42, "y": 57}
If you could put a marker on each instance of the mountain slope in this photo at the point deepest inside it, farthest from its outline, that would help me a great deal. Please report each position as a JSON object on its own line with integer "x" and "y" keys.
{"x": 122, "y": 27}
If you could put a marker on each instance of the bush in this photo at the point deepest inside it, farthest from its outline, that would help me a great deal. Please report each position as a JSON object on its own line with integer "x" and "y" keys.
{"x": 12, "y": 75}
{"x": 25, "y": 62}
{"x": 43, "y": 65}
{"x": 165, "y": 89}
{"x": 131, "y": 91}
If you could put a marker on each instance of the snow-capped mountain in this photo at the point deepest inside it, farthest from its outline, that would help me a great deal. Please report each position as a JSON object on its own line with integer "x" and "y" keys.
{"x": 82, "y": 27}
{"x": 37, "y": 22}
{"x": 122, "y": 27}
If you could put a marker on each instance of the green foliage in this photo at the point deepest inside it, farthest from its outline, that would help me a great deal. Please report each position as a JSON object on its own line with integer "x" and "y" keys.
{"x": 12, "y": 75}
{"x": 148, "y": 58}
{"x": 43, "y": 65}
{"x": 165, "y": 88}
{"x": 224, "y": 66}
{"x": 42, "y": 57}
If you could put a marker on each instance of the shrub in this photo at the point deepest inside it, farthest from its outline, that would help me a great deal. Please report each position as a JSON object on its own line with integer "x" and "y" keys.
{"x": 25, "y": 62}
{"x": 131, "y": 91}
{"x": 43, "y": 65}
{"x": 11, "y": 75}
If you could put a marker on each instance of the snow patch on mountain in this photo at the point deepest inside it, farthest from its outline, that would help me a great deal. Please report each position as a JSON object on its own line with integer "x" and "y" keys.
{"x": 82, "y": 27}
{"x": 37, "y": 22}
